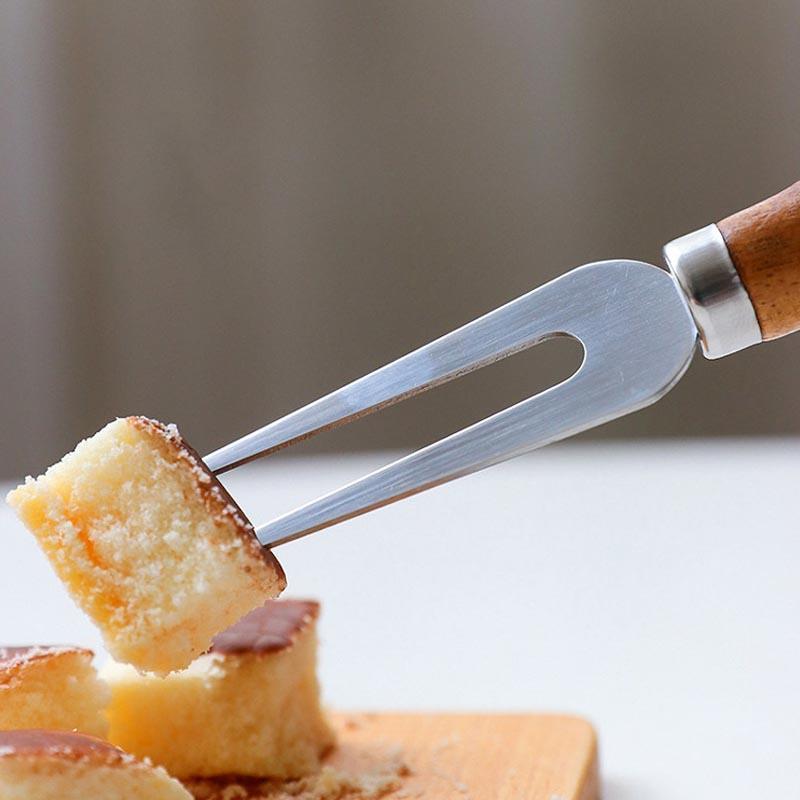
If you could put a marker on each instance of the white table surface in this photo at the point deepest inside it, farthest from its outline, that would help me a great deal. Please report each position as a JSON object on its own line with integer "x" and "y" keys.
{"x": 651, "y": 588}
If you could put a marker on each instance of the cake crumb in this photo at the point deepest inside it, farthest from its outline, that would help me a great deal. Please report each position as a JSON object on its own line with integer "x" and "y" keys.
{"x": 328, "y": 784}
{"x": 456, "y": 784}
{"x": 445, "y": 744}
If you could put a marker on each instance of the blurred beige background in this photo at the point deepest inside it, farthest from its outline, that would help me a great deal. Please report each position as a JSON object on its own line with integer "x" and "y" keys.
{"x": 215, "y": 212}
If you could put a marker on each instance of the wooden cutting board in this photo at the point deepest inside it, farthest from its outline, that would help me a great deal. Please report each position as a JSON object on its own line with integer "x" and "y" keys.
{"x": 440, "y": 757}
{"x": 473, "y": 756}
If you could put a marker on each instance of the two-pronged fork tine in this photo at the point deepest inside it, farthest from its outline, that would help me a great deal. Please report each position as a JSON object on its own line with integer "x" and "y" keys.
{"x": 638, "y": 339}
{"x": 735, "y": 284}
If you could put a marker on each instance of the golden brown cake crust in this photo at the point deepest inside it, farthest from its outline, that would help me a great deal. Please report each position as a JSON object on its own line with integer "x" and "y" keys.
{"x": 216, "y": 498}
{"x": 273, "y": 627}
{"x": 13, "y": 658}
{"x": 29, "y": 652}
{"x": 36, "y": 743}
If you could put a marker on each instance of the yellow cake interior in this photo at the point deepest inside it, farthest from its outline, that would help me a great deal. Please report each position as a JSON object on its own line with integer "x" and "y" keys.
{"x": 248, "y": 713}
{"x": 147, "y": 543}
{"x": 53, "y": 688}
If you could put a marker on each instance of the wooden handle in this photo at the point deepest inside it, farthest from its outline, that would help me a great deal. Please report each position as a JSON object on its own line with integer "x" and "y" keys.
{"x": 764, "y": 245}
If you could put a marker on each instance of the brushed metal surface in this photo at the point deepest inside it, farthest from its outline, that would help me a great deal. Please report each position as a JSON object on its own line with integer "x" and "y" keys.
{"x": 718, "y": 301}
{"x": 638, "y": 339}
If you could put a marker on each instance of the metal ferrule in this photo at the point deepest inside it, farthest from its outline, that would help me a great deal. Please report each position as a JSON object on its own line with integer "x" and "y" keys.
{"x": 716, "y": 297}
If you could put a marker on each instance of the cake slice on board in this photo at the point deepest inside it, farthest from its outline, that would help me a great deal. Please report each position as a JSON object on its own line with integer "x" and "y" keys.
{"x": 250, "y": 706}
{"x": 49, "y": 686}
{"x": 48, "y": 765}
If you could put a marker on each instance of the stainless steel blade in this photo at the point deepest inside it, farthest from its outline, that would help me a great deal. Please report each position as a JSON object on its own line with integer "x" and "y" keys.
{"x": 638, "y": 340}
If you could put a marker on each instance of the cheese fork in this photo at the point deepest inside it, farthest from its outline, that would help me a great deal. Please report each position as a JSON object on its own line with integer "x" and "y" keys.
{"x": 730, "y": 285}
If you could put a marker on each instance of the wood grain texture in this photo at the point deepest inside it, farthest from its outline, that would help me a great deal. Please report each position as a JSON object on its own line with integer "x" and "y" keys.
{"x": 764, "y": 244}
{"x": 439, "y": 757}
{"x": 475, "y": 756}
